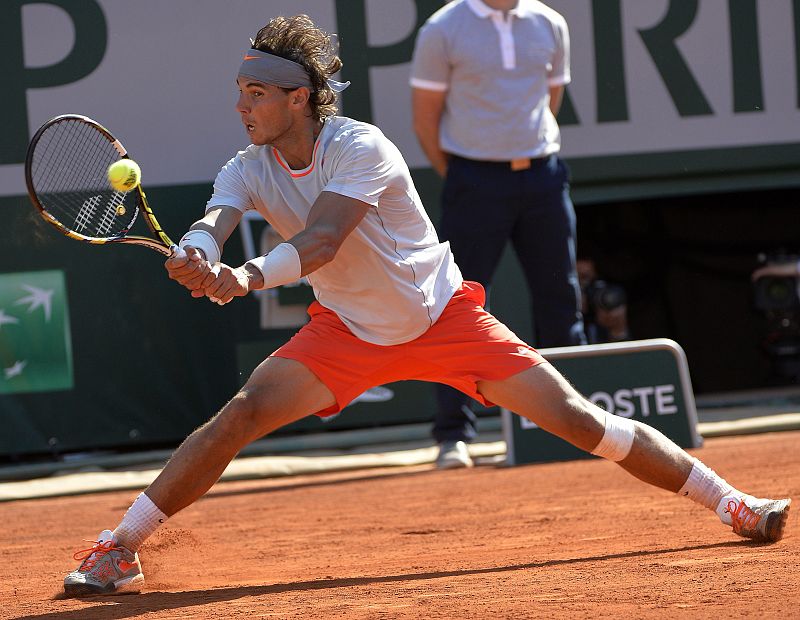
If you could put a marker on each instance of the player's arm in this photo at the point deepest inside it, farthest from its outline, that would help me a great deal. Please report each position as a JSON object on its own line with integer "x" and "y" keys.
{"x": 203, "y": 245}
{"x": 331, "y": 219}
{"x": 556, "y": 97}
{"x": 427, "y": 107}
{"x": 220, "y": 222}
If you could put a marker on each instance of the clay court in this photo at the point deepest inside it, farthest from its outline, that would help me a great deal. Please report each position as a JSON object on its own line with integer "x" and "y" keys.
{"x": 579, "y": 540}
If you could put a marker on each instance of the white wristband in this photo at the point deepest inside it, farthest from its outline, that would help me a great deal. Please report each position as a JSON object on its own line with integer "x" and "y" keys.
{"x": 281, "y": 266}
{"x": 203, "y": 241}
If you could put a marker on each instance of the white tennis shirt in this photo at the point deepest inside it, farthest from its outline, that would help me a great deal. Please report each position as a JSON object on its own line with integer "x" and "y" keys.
{"x": 391, "y": 278}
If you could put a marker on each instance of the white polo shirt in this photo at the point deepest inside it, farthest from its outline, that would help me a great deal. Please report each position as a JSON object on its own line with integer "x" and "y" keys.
{"x": 391, "y": 278}
{"x": 497, "y": 70}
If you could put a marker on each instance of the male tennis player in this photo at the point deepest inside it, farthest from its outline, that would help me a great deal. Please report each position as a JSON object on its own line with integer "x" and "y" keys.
{"x": 390, "y": 305}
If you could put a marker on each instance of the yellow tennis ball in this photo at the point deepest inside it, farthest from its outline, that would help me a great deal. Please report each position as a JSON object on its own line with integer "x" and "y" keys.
{"x": 124, "y": 175}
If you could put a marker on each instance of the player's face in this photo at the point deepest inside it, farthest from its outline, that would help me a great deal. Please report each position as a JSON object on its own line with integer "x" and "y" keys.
{"x": 264, "y": 109}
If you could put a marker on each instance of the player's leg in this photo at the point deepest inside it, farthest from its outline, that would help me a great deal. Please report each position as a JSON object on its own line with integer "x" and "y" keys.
{"x": 278, "y": 392}
{"x": 543, "y": 396}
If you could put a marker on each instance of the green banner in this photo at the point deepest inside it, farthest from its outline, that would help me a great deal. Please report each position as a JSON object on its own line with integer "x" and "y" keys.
{"x": 645, "y": 380}
{"x": 35, "y": 347}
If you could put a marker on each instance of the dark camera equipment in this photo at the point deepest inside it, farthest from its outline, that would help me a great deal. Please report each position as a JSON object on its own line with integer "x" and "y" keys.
{"x": 603, "y": 295}
{"x": 778, "y": 299}
{"x": 776, "y": 293}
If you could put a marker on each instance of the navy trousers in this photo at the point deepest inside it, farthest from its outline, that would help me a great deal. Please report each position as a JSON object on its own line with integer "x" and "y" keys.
{"x": 484, "y": 206}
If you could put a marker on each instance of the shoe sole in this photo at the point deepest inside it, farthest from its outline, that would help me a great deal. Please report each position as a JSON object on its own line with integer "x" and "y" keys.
{"x": 771, "y": 529}
{"x": 453, "y": 464}
{"x": 122, "y": 586}
{"x": 776, "y": 521}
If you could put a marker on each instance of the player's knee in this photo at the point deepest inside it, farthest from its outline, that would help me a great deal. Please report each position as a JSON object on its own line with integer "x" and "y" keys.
{"x": 617, "y": 440}
{"x": 240, "y": 418}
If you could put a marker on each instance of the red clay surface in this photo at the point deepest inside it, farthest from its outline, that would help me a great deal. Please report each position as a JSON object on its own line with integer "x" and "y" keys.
{"x": 578, "y": 540}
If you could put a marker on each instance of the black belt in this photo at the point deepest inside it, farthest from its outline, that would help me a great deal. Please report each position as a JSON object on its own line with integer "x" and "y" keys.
{"x": 515, "y": 165}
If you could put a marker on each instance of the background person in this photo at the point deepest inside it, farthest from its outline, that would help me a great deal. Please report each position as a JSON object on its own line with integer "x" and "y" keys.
{"x": 487, "y": 81}
{"x": 776, "y": 285}
{"x": 391, "y": 305}
{"x": 604, "y": 306}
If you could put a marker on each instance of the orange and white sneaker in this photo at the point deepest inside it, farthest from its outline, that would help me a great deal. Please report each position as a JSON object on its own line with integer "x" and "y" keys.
{"x": 106, "y": 568}
{"x": 762, "y": 520}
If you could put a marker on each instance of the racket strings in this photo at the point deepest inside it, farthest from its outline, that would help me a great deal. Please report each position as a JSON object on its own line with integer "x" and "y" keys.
{"x": 69, "y": 173}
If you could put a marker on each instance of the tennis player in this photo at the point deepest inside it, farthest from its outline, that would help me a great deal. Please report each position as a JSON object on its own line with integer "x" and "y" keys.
{"x": 390, "y": 305}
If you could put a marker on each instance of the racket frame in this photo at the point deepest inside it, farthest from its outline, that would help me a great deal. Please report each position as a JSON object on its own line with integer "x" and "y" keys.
{"x": 161, "y": 243}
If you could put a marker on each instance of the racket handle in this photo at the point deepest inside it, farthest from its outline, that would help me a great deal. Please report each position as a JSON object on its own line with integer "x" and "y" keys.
{"x": 176, "y": 252}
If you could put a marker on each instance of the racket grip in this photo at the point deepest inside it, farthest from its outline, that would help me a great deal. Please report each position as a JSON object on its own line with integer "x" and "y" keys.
{"x": 176, "y": 251}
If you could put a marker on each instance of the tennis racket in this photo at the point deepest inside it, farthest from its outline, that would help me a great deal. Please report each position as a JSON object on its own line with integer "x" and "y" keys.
{"x": 66, "y": 172}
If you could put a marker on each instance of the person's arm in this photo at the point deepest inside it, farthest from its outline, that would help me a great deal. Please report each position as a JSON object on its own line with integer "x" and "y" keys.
{"x": 220, "y": 222}
{"x": 331, "y": 219}
{"x": 427, "y": 107}
{"x": 556, "y": 97}
{"x": 192, "y": 269}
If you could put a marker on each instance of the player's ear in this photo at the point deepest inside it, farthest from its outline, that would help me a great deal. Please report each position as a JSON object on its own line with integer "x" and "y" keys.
{"x": 299, "y": 96}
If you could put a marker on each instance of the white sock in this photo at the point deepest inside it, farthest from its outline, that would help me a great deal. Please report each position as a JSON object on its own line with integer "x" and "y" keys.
{"x": 142, "y": 519}
{"x": 705, "y": 487}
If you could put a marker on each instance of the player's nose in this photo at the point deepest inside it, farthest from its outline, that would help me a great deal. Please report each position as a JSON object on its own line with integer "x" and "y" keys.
{"x": 241, "y": 104}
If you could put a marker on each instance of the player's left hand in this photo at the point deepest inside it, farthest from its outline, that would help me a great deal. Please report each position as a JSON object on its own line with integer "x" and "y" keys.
{"x": 224, "y": 283}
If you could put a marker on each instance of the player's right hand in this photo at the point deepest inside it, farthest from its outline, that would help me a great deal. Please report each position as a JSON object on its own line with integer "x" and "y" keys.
{"x": 189, "y": 270}
{"x": 224, "y": 283}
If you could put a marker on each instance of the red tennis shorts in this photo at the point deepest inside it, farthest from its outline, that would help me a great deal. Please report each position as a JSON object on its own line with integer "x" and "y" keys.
{"x": 466, "y": 345}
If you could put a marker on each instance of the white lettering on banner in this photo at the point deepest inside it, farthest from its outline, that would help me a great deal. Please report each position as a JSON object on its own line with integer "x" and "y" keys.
{"x": 643, "y": 393}
{"x": 623, "y": 402}
{"x": 658, "y": 398}
{"x": 624, "y": 406}
{"x": 665, "y": 400}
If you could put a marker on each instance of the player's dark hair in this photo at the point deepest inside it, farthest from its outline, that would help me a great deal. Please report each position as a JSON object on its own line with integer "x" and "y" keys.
{"x": 297, "y": 38}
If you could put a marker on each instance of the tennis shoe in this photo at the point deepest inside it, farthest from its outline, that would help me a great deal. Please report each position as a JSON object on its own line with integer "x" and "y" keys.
{"x": 453, "y": 455}
{"x": 106, "y": 568}
{"x": 762, "y": 520}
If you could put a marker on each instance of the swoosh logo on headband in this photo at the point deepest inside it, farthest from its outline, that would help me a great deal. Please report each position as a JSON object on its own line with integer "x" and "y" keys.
{"x": 246, "y": 57}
